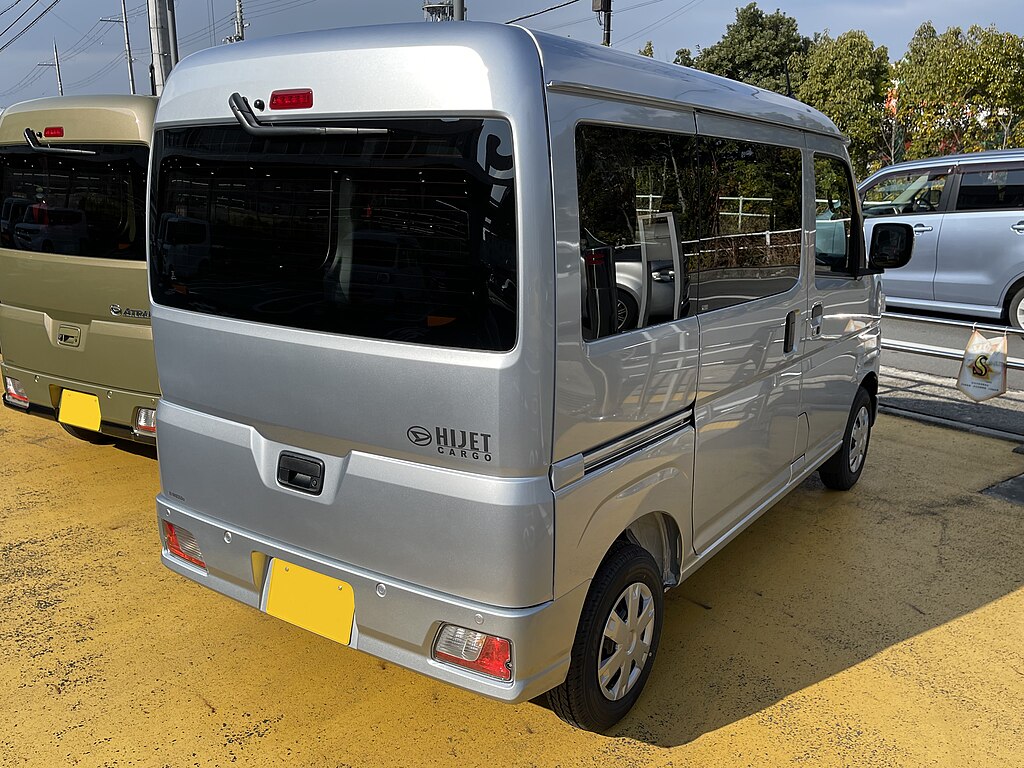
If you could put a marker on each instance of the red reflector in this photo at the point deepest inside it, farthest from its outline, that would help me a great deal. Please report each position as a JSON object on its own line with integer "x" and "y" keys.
{"x": 296, "y": 98}
{"x": 495, "y": 659}
{"x": 54, "y": 132}
{"x": 184, "y": 546}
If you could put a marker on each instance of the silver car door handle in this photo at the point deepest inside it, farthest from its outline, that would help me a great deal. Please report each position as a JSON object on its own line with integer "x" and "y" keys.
{"x": 922, "y": 228}
{"x": 1018, "y": 227}
{"x": 817, "y": 313}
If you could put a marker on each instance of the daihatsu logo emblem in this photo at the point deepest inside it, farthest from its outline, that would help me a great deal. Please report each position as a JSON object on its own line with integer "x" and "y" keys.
{"x": 419, "y": 436}
{"x": 69, "y": 336}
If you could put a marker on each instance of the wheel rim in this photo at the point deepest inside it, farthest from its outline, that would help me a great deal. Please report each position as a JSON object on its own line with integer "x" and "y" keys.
{"x": 1020, "y": 315}
{"x": 859, "y": 438}
{"x": 621, "y": 314}
{"x": 626, "y": 642}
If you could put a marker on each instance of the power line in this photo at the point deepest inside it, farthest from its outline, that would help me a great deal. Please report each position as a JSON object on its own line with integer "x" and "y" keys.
{"x": 23, "y": 15}
{"x": 10, "y": 7}
{"x": 673, "y": 15}
{"x": 31, "y": 24}
{"x": 538, "y": 13}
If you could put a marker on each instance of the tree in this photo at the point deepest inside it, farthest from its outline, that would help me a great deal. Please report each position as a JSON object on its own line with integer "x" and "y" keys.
{"x": 848, "y": 79}
{"x": 647, "y": 50}
{"x": 961, "y": 92}
{"x": 684, "y": 57}
{"x": 763, "y": 50}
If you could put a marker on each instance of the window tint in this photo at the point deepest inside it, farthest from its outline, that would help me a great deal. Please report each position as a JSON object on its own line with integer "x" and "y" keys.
{"x": 74, "y": 204}
{"x": 750, "y": 222}
{"x": 408, "y": 235}
{"x": 904, "y": 193}
{"x": 674, "y": 225}
{"x": 992, "y": 190}
{"x": 835, "y": 250}
{"x": 636, "y": 194}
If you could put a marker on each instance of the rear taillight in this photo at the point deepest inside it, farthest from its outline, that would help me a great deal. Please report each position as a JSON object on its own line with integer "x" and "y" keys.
{"x": 145, "y": 421}
{"x": 14, "y": 393}
{"x": 489, "y": 655}
{"x": 183, "y": 544}
{"x": 295, "y": 98}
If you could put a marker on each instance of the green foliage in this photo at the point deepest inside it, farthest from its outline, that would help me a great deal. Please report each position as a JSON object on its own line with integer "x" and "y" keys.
{"x": 647, "y": 50}
{"x": 763, "y": 50}
{"x": 848, "y": 79}
{"x": 951, "y": 92}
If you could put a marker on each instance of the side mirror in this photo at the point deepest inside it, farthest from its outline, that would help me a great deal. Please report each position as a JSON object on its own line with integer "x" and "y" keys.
{"x": 892, "y": 244}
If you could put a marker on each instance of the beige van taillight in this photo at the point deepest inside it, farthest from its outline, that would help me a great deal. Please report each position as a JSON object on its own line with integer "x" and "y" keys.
{"x": 15, "y": 392}
{"x": 145, "y": 421}
{"x": 53, "y": 132}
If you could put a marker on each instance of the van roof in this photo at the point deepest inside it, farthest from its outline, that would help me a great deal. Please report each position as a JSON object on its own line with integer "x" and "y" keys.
{"x": 478, "y": 59}
{"x": 84, "y": 119}
{"x": 947, "y": 161}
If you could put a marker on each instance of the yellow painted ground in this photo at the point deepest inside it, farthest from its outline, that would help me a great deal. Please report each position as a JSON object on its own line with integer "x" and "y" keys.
{"x": 883, "y": 627}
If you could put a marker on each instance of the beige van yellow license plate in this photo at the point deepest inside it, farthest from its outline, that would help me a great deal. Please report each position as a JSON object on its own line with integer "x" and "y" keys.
{"x": 78, "y": 409}
{"x": 311, "y": 600}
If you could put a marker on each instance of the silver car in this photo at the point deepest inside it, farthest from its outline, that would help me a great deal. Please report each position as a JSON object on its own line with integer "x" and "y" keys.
{"x": 968, "y": 218}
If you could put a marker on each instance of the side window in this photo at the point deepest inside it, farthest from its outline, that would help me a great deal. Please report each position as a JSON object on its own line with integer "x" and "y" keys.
{"x": 904, "y": 193}
{"x": 991, "y": 190}
{"x": 836, "y": 249}
{"x": 636, "y": 205}
{"x": 749, "y": 220}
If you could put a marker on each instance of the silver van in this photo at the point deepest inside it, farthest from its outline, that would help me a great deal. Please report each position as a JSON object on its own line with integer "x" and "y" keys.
{"x": 398, "y": 407}
{"x": 968, "y": 217}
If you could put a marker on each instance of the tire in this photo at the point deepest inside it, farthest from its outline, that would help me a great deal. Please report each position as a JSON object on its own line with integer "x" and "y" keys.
{"x": 628, "y": 585}
{"x": 842, "y": 471}
{"x": 1015, "y": 310}
{"x": 627, "y": 313}
{"x": 96, "y": 438}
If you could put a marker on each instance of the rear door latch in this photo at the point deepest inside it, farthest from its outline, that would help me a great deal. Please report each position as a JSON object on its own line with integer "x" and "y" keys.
{"x": 300, "y": 473}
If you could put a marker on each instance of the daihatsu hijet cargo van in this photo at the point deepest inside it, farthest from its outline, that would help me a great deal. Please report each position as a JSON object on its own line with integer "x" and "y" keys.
{"x": 74, "y": 306}
{"x": 399, "y": 408}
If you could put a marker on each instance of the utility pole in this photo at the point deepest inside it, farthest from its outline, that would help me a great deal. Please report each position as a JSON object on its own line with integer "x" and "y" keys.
{"x": 56, "y": 65}
{"x": 604, "y": 8}
{"x": 240, "y": 25}
{"x": 127, "y": 44}
{"x": 159, "y": 40}
{"x": 172, "y": 33}
{"x": 444, "y": 10}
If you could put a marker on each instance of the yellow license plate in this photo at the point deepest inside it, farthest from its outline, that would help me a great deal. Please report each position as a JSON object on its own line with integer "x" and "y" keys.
{"x": 311, "y": 600}
{"x": 78, "y": 409}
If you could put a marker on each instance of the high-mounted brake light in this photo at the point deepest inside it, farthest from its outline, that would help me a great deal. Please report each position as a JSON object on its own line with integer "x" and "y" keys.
{"x": 489, "y": 655}
{"x": 54, "y": 132}
{"x": 183, "y": 544}
{"x": 295, "y": 98}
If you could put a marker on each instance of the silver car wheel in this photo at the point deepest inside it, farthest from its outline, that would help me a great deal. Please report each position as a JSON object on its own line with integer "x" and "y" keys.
{"x": 1020, "y": 315}
{"x": 626, "y": 643}
{"x": 859, "y": 438}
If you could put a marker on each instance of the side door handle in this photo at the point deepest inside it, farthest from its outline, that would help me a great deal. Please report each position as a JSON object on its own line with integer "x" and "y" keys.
{"x": 790, "y": 343}
{"x": 817, "y": 314}
{"x": 1018, "y": 227}
{"x": 922, "y": 228}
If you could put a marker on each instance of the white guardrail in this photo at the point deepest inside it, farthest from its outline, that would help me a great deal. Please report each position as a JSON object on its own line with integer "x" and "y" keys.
{"x": 945, "y": 353}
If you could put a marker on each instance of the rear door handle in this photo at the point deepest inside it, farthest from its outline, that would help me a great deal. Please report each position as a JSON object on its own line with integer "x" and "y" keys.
{"x": 1018, "y": 227}
{"x": 300, "y": 473}
{"x": 790, "y": 343}
{"x": 922, "y": 228}
{"x": 817, "y": 313}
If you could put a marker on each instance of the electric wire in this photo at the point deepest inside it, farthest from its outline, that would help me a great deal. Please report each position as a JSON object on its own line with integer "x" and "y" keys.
{"x": 538, "y": 13}
{"x": 29, "y": 26}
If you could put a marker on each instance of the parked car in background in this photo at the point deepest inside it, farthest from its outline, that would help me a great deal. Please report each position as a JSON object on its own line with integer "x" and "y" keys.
{"x": 968, "y": 217}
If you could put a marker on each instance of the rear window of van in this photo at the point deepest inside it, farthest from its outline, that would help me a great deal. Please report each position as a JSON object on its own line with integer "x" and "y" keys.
{"x": 407, "y": 235}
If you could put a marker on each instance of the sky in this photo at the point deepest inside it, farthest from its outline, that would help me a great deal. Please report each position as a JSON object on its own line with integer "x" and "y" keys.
{"x": 92, "y": 51}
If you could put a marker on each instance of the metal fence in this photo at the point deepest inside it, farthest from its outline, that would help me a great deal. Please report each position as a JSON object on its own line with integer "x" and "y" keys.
{"x": 945, "y": 353}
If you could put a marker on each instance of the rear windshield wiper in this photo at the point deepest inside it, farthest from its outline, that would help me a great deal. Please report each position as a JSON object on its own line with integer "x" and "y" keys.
{"x": 250, "y": 124}
{"x": 33, "y": 142}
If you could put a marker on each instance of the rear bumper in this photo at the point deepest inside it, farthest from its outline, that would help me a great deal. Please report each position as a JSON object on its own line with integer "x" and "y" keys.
{"x": 399, "y": 626}
{"x": 117, "y": 406}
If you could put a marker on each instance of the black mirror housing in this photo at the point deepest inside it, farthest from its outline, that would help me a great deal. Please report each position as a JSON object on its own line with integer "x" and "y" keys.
{"x": 892, "y": 244}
